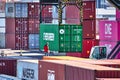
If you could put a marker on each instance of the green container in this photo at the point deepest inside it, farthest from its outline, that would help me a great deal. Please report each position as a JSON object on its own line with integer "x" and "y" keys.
{"x": 49, "y": 33}
{"x": 70, "y": 38}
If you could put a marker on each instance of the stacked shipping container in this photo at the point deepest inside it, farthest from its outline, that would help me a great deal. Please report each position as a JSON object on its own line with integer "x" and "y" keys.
{"x": 2, "y": 24}
{"x": 109, "y": 34}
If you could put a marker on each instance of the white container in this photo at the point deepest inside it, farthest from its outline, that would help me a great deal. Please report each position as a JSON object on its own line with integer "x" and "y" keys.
{"x": 2, "y": 40}
{"x": 27, "y": 69}
{"x": 2, "y": 30}
{"x": 7, "y": 77}
{"x": 2, "y": 22}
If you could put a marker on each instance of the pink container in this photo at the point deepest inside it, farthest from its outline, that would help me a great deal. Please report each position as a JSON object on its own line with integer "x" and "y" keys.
{"x": 117, "y": 14}
{"x": 109, "y": 30}
{"x": 109, "y": 44}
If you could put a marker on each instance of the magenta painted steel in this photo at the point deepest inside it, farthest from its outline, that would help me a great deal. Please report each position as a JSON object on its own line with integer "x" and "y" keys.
{"x": 33, "y": 10}
{"x": 21, "y": 41}
{"x": 89, "y": 10}
{"x": 109, "y": 44}
{"x": 117, "y": 14}
{"x": 8, "y": 66}
{"x": 109, "y": 30}
{"x": 10, "y": 41}
{"x": 33, "y": 25}
{"x": 73, "y": 54}
{"x": 21, "y": 25}
{"x": 10, "y": 25}
{"x": 89, "y": 29}
{"x": 87, "y": 45}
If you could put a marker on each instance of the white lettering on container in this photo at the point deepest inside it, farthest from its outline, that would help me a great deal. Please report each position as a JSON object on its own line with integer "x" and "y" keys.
{"x": 108, "y": 28}
{"x": 51, "y": 75}
{"x": 48, "y": 36}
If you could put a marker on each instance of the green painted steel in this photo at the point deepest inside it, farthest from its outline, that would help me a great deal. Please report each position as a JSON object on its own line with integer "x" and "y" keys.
{"x": 70, "y": 38}
{"x": 49, "y": 33}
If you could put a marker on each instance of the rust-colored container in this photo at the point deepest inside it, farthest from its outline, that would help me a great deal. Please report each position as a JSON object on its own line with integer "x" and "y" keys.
{"x": 33, "y": 10}
{"x": 21, "y": 41}
{"x": 10, "y": 25}
{"x": 10, "y": 41}
{"x": 21, "y": 25}
{"x": 87, "y": 45}
{"x": 8, "y": 66}
{"x": 89, "y": 10}
{"x": 54, "y": 71}
{"x": 89, "y": 29}
{"x": 72, "y": 21}
{"x": 72, "y": 70}
{"x": 33, "y": 25}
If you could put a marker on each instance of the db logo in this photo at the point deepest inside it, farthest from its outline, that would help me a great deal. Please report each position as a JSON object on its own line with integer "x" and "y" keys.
{"x": 108, "y": 28}
{"x": 51, "y": 75}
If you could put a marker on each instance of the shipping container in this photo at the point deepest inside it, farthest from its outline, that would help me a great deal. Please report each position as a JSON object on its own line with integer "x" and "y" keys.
{"x": 87, "y": 45}
{"x": 72, "y": 21}
{"x": 8, "y": 66}
{"x": 2, "y": 22}
{"x": 2, "y": 40}
{"x": 66, "y": 38}
{"x": 2, "y": 9}
{"x": 47, "y": 14}
{"x": 55, "y": 21}
{"x": 10, "y": 10}
{"x": 33, "y": 25}
{"x": 10, "y": 25}
{"x": 21, "y": 25}
{"x": 49, "y": 33}
{"x": 33, "y": 41}
{"x": 27, "y": 69}
{"x": 109, "y": 30}
{"x": 55, "y": 13}
{"x": 117, "y": 14}
{"x": 8, "y": 77}
{"x": 2, "y": 30}
{"x": 74, "y": 71}
{"x": 109, "y": 45}
{"x": 70, "y": 38}
{"x": 89, "y": 29}
{"x": 34, "y": 10}
{"x": 21, "y": 41}
{"x": 10, "y": 41}
{"x": 21, "y": 10}
{"x": 89, "y": 9}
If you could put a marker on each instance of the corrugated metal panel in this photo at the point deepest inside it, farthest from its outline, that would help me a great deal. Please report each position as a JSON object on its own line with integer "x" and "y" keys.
{"x": 21, "y": 10}
{"x": 72, "y": 21}
{"x": 73, "y": 54}
{"x": 7, "y": 77}
{"x": 49, "y": 33}
{"x": 89, "y": 10}
{"x": 10, "y": 25}
{"x": 33, "y": 10}
{"x": 51, "y": 72}
{"x": 27, "y": 69}
{"x": 55, "y": 13}
{"x": 33, "y": 41}
{"x": 33, "y": 25}
{"x": 2, "y": 22}
{"x": 10, "y": 10}
{"x": 108, "y": 79}
{"x": 109, "y": 30}
{"x": 21, "y": 41}
{"x": 21, "y": 25}
{"x": 2, "y": 30}
{"x": 89, "y": 29}
{"x": 10, "y": 41}
{"x": 55, "y": 21}
{"x": 87, "y": 45}
{"x": 2, "y": 9}
{"x": 8, "y": 66}
{"x": 2, "y": 40}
